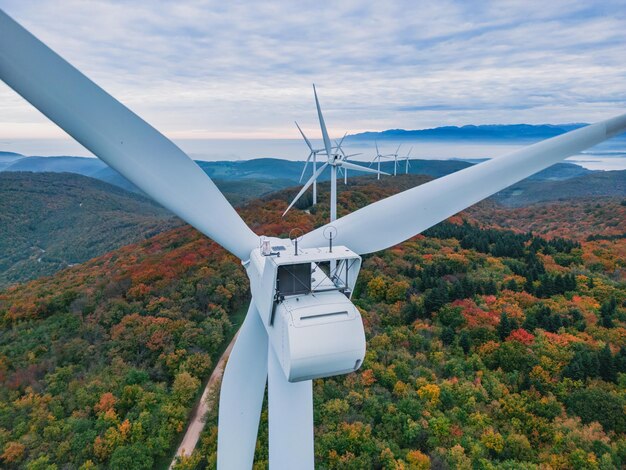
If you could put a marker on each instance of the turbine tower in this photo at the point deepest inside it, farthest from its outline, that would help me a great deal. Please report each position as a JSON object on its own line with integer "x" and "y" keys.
{"x": 407, "y": 164}
{"x": 395, "y": 160}
{"x": 377, "y": 158}
{"x": 298, "y": 327}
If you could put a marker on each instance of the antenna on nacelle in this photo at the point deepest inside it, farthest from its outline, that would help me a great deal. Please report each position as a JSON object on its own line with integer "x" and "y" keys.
{"x": 266, "y": 247}
{"x": 295, "y": 235}
{"x": 330, "y": 232}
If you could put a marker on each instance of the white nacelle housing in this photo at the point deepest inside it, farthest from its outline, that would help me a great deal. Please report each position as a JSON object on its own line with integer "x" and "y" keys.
{"x": 304, "y": 302}
{"x": 317, "y": 336}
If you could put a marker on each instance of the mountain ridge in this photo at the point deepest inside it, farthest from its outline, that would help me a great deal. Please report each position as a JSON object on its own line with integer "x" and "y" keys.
{"x": 280, "y": 173}
{"x": 472, "y": 132}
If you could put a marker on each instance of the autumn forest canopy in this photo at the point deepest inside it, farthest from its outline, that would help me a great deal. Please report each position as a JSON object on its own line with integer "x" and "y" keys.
{"x": 496, "y": 339}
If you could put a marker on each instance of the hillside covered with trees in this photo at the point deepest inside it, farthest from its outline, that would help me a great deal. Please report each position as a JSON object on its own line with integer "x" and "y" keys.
{"x": 49, "y": 221}
{"x": 488, "y": 347}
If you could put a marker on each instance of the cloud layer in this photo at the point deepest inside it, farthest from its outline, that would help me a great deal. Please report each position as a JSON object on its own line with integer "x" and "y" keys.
{"x": 244, "y": 69}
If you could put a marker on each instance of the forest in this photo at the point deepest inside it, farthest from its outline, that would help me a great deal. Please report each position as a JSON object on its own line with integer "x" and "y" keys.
{"x": 49, "y": 221}
{"x": 490, "y": 345}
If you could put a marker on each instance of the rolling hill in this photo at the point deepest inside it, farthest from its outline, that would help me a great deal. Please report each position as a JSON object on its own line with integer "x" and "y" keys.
{"x": 41, "y": 211}
{"x": 49, "y": 221}
{"x": 8, "y": 158}
{"x": 271, "y": 173}
{"x": 593, "y": 184}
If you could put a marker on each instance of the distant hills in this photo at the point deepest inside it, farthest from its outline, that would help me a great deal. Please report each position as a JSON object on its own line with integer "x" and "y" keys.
{"x": 268, "y": 173}
{"x": 593, "y": 184}
{"x": 41, "y": 197}
{"x": 52, "y": 220}
{"x": 263, "y": 175}
{"x": 7, "y": 158}
{"x": 483, "y": 132}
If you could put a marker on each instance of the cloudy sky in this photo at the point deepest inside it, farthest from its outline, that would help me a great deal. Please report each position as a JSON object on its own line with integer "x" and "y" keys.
{"x": 230, "y": 69}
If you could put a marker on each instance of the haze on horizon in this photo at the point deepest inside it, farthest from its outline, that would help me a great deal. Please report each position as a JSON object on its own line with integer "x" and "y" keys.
{"x": 243, "y": 70}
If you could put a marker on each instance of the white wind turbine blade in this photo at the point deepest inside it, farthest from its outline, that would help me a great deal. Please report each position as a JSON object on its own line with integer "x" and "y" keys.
{"x": 340, "y": 150}
{"x": 400, "y": 217}
{"x": 373, "y": 160}
{"x": 304, "y": 137}
{"x": 340, "y": 143}
{"x": 322, "y": 125}
{"x": 306, "y": 186}
{"x": 306, "y": 164}
{"x": 312, "y": 151}
{"x": 241, "y": 395}
{"x": 395, "y": 161}
{"x": 119, "y": 137}
{"x": 290, "y": 419}
{"x": 364, "y": 169}
{"x": 408, "y": 164}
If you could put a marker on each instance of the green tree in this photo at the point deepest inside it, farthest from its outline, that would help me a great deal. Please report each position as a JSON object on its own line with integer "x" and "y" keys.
{"x": 134, "y": 456}
{"x": 465, "y": 342}
{"x": 606, "y": 365}
{"x": 596, "y": 404}
{"x": 504, "y": 327}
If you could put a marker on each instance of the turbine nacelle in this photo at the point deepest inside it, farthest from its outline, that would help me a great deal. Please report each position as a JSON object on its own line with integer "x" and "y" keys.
{"x": 303, "y": 299}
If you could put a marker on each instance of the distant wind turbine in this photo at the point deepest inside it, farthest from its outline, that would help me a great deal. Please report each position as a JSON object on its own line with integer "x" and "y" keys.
{"x": 395, "y": 160}
{"x": 407, "y": 164}
{"x": 336, "y": 160}
{"x": 313, "y": 154}
{"x": 378, "y": 158}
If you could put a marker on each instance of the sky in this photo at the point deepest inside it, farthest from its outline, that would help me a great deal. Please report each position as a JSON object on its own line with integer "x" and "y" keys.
{"x": 243, "y": 70}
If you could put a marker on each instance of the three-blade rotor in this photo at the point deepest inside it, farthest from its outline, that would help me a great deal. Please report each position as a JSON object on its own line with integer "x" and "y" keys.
{"x": 336, "y": 156}
{"x": 156, "y": 165}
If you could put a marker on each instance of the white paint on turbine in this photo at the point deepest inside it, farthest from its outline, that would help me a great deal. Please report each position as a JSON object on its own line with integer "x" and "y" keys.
{"x": 241, "y": 395}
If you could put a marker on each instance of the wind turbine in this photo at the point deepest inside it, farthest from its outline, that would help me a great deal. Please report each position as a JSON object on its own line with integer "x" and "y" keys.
{"x": 312, "y": 154}
{"x": 407, "y": 164}
{"x": 377, "y": 158}
{"x": 335, "y": 160}
{"x": 298, "y": 327}
{"x": 395, "y": 160}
